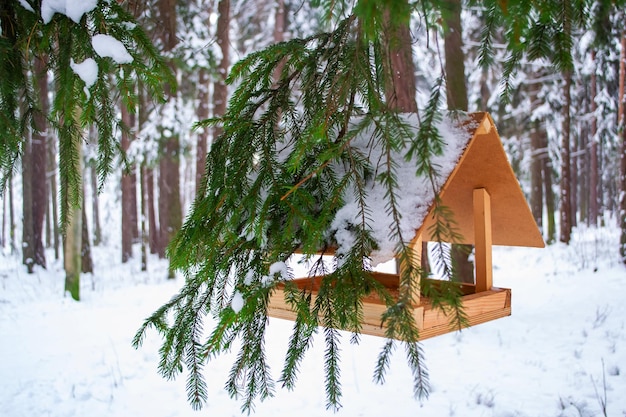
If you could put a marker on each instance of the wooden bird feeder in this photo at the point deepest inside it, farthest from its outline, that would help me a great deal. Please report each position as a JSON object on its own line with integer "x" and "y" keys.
{"x": 489, "y": 209}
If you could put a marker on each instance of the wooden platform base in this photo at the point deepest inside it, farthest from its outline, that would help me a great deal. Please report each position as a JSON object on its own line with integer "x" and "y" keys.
{"x": 479, "y": 308}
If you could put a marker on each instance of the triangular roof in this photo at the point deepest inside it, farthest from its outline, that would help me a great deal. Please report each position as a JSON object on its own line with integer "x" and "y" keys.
{"x": 484, "y": 164}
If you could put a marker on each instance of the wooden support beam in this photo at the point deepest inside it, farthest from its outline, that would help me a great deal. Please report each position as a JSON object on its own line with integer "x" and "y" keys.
{"x": 482, "y": 240}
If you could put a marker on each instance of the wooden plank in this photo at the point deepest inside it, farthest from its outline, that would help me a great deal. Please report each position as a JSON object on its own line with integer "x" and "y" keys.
{"x": 473, "y": 305}
{"x": 483, "y": 240}
{"x": 473, "y": 321}
{"x": 479, "y": 308}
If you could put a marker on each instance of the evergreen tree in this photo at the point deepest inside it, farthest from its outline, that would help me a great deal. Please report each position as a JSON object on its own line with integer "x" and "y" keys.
{"x": 95, "y": 50}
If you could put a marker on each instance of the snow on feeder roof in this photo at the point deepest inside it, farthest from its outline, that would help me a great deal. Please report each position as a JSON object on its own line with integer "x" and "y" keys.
{"x": 478, "y": 185}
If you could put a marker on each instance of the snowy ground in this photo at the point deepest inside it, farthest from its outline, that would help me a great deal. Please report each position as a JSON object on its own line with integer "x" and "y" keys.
{"x": 561, "y": 353}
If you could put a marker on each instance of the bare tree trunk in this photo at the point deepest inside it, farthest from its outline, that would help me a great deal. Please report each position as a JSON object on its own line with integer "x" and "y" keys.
{"x": 134, "y": 210}
{"x": 593, "y": 150}
{"x": 52, "y": 195}
{"x": 456, "y": 90}
{"x": 38, "y": 160}
{"x": 170, "y": 211}
{"x": 144, "y": 215}
{"x": 583, "y": 169}
{"x": 203, "y": 133}
{"x": 220, "y": 89}
{"x": 48, "y": 217}
{"x": 7, "y": 206}
{"x": 622, "y": 130}
{"x": 400, "y": 84}
{"x": 3, "y": 236}
{"x": 86, "y": 260}
{"x": 127, "y": 195}
{"x": 280, "y": 22}
{"x": 163, "y": 212}
{"x": 537, "y": 154}
{"x": 566, "y": 193}
{"x": 72, "y": 245}
{"x": 11, "y": 217}
{"x": 95, "y": 207}
{"x": 574, "y": 175}
{"x": 549, "y": 194}
{"x": 154, "y": 229}
{"x": 28, "y": 244}
{"x": 456, "y": 87}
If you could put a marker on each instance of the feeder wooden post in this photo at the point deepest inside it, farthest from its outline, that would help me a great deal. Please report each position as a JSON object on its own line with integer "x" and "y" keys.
{"x": 483, "y": 240}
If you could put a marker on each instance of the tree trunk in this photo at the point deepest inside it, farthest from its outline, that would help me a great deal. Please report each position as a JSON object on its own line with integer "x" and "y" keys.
{"x": 203, "y": 133}
{"x": 456, "y": 87}
{"x": 72, "y": 245}
{"x": 48, "y": 222}
{"x": 95, "y": 207}
{"x": 11, "y": 217}
{"x": 593, "y": 150}
{"x": 400, "y": 81}
{"x": 574, "y": 174}
{"x": 566, "y": 206}
{"x": 86, "y": 259}
{"x": 456, "y": 93}
{"x": 280, "y": 18}
{"x": 144, "y": 215}
{"x": 52, "y": 196}
{"x": 38, "y": 160}
{"x": 3, "y": 236}
{"x": 220, "y": 89}
{"x": 549, "y": 193}
{"x": 134, "y": 215}
{"x": 583, "y": 169}
{"x": 153, "y": 228}
{"x": 28, "y": 244}
{"x": 127, "y": 195}
{"x": 163, "y": 208}
{"x": 537, "y": 154}
{"x": 170, "y": 212}
{"x": 622, "y": 130}
{"x": 72, "y": 259}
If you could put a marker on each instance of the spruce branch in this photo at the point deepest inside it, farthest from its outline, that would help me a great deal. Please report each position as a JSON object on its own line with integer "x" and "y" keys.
{"x": 74, "y": 108}
{"x": 294, "y": 155}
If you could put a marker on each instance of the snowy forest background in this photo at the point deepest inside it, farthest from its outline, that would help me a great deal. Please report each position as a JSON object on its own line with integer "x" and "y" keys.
{"x": 561, "y": 130}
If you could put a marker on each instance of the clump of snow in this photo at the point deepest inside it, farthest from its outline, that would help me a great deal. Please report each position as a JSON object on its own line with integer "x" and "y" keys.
{"x": 108, "y": 46}
{"x": 87, "y": 71}
{"x": 74, "y": 9}
{"x": 237, "y": 302}
{"x": 249, "y": 278}
{"x": 414, "y": 194}
{"x": 280, "y": 269}
{"x": 341, "y": 224}
{"x": 26, "y": 5}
